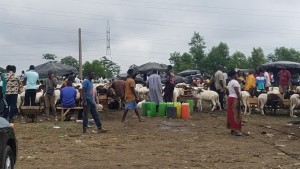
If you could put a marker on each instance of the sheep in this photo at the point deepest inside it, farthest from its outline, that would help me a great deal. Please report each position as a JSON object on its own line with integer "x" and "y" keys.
{"x": 137, "y": 87}
{"x": 245, "y": 101}
{"x": 177, "y": 92}
{"x": 207, "y": 95}
{"x": 270, "y": 99}
{"x": 99, "y": 107}
{"x": 143, "y": 93}
{"x": 295, "y": 102}
{"x": 139, "y": 105}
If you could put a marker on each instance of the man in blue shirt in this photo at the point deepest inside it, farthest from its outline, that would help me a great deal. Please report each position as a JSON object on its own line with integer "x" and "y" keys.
{"x": 89, "y": 104}
{"x": 31, "y": 80}
{"x": 68, "y": 97}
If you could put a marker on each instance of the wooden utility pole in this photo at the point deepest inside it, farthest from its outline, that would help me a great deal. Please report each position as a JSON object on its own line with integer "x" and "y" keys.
{"x": 80, "y": 55}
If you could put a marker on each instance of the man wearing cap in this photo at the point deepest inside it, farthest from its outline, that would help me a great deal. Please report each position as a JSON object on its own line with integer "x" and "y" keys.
{"x": 31, "y": 85}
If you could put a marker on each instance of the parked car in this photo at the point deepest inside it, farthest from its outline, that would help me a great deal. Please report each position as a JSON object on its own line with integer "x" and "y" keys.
{"x": 8, "y": 145}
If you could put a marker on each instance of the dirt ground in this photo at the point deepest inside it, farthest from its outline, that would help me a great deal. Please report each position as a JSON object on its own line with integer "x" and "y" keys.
{"x": 201, "y": 142}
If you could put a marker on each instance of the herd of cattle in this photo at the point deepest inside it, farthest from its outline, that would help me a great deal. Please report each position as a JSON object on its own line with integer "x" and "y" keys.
{"x": 272, "y": 98}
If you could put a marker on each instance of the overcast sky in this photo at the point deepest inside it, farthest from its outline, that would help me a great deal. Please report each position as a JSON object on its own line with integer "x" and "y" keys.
{"x": 141, "y": 30}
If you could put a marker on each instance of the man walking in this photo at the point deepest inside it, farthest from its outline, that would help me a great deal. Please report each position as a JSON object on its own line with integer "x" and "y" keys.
{"x": 130, "y": 96}
{"x": 89, "y": 104}
{"x": 220, "y": 85}
{"x": 31, "y": 85}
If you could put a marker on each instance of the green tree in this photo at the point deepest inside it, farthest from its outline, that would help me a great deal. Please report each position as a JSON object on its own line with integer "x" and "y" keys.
{"x": 257, "y": 58}
{"x": 71, "y": 61}
{"x": 197, "y": 48}
{"x": 94, "y": 66}
{"x": 111, "y": 68}
{"x": 49, "y": 56}
{"x": 271, "y": 58}
{"x": 237, "y": 60}
{"x": 181, "y": 62}
{"x": 217, "y": 56}
{"x": 285, "y": 54}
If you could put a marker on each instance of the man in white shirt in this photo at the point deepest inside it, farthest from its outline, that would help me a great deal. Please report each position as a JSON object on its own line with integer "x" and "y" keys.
{"x": 267, "y": 80}
{"x": 220, "y": 85}
{"x": 77, "y": 80}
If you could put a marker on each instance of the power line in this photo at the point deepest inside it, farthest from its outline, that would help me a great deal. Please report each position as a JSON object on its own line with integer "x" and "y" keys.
{"x": 176, "y": 9}
{"x": 212, "y": 7}
{"x": 137, "y": 19}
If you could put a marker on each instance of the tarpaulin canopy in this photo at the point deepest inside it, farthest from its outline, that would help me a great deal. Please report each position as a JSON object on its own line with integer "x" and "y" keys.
{"x": 123, "y": 76}
{"x": 280, "y": 64}
{"x": 188, "y": 72}
{"x": 178, "y": 79}
{"x": 57, "y": 68}
{"x": 150, "y": 66}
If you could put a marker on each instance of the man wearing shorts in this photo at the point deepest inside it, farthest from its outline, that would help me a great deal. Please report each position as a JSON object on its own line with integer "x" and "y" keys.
{"x": 130, "y": 96}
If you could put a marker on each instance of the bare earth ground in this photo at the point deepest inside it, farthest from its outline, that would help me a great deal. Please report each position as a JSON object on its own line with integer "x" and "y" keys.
{"x": 201, "y": 142}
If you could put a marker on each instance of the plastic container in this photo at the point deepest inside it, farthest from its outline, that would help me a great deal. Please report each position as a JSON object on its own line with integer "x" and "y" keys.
{"x": 149, "y": 113}
{"x": 162, "y": 109}
{"x": 171, "y": 112}
{"x": 191, "y": 104}
{"x": 178, "y": 107}
{"x": 185, "y": 111}
{"x": 152, "y": 108}
{"x": 145, "y": 108}
{"x": 170, "y": 104}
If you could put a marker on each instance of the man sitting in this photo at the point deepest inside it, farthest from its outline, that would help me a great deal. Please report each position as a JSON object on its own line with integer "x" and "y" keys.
{"x": 68, "y": 97}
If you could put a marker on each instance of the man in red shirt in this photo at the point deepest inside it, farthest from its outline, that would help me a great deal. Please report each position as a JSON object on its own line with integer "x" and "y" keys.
{"x": 284, "y": 80}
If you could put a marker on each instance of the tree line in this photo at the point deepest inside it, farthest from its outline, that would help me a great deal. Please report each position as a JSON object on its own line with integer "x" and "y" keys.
{"x": 197, "y": 58}
{"x": 102, "y": 67}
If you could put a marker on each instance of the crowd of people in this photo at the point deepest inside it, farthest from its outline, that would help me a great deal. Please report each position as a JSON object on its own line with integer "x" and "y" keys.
{"x": 230, "y": 84}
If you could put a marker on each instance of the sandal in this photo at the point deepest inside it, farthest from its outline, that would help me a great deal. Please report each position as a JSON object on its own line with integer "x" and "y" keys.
{"x": 237, "y": 133}
{"x": 102, "y": 130}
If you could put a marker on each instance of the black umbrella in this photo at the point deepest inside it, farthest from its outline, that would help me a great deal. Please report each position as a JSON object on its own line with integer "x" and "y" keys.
{"x": 279, "y": 64}
{"x": 57, "y": 68}
{"x": 148, "y": 67}
{"x": 178, "y": 79}
{"x": 188, "y": 72}
{"x": 123, "y": 76}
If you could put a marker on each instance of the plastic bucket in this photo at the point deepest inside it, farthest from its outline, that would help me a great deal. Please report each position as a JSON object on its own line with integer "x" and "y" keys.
{"x": 171, "y": 112}
{"x": 162, "y": 109}
{"x": 191, "y": 104}
{"x": 145, "y": 108}
{"x": 151, "y": 109}
{"x": 178, "y": 107}
{"x": 185, "y": 111}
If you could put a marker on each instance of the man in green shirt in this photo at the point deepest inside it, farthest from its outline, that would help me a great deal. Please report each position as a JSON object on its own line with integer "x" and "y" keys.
{"x": 8, "y": 67}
